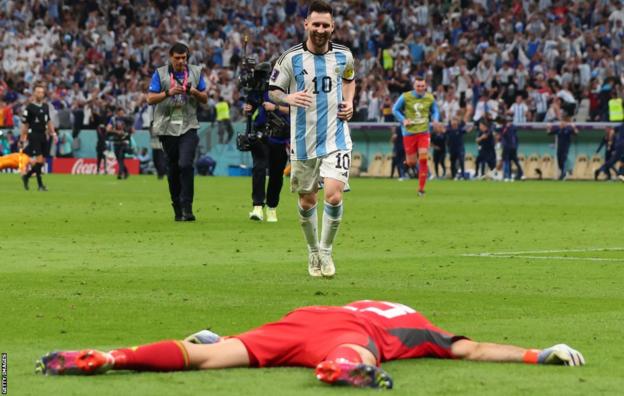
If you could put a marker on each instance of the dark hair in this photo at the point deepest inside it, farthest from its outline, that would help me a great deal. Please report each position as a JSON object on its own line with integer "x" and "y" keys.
{"x": 419, "y": 77}
{"x": 321, "y": 7}
{"x": 39, "y": 84}
{"x": 179, "y": 48}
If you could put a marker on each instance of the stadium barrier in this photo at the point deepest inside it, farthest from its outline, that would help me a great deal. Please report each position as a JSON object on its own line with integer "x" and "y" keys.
{"x": 370, "y": 139}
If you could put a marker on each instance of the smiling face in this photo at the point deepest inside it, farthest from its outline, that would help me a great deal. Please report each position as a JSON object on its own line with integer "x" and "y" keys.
{"x": 320, "y": 27}
{"x": 420, "y": 86}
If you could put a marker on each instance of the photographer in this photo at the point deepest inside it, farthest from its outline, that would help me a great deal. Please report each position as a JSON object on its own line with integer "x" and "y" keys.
{"x": 119, "y": 129}
{"x": 175, "y": 91}
{"x": 269, "y": 151}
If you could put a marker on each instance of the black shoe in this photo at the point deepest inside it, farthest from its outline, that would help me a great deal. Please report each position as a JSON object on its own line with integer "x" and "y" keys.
{"x": 596, "y": 174}
{"x": 43, "y": 188}
{"x": 421, "y": 193}
{"x": 25, "y": 181}
{"x": 118, "y": 177}
{"x": 187, "y": 214}
{"x": 177, "y": 211}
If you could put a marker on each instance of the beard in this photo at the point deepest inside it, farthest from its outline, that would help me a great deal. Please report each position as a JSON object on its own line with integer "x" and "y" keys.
{"x": 320, "y": 40}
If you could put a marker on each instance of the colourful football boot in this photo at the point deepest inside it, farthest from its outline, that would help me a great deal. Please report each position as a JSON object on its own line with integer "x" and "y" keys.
{"x": 83, "y": 362}
{"x": 360, "y": 375}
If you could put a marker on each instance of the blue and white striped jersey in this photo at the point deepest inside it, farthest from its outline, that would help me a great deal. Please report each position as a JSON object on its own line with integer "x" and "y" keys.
{"x": 315, "y": 131}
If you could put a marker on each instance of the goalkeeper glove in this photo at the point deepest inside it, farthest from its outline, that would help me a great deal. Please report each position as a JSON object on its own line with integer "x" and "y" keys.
{"x": 560, "y": 354}
{"x": 203, "y": 337}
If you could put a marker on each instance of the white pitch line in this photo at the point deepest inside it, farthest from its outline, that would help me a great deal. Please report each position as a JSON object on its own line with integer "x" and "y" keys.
{"x": 519, "y": 256}
{"x": 615, "y": 249}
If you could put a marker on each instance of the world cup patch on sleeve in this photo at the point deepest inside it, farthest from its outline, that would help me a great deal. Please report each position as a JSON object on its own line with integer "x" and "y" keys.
{"x": 274, "y": 74}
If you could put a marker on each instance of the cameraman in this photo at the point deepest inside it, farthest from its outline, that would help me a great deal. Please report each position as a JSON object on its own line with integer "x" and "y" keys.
{"x": 119, "y": 129}
{"x": 269, "y": 151}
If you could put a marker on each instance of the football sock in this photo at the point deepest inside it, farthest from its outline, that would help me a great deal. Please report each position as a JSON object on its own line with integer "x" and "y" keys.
{"x": 309, "y": 225}
{"x": 32, "y": 170}
{"x": 332, "y": 216}
{"x": 422, "y": 173}
{"x": 160, "y": 356}
{"x": 344, "y": 353}
{"x": 38, "y": 173}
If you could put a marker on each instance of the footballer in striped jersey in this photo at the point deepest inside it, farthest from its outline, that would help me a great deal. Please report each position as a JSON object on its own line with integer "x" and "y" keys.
{"x": 317, "y": 79}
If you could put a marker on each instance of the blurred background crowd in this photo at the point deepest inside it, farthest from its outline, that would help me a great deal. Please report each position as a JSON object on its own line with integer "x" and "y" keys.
{"x": 532, "y": 59}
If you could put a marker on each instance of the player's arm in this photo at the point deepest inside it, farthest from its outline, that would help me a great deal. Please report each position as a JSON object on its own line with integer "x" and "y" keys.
{"x": 345, "y": 109}
{"x": 560, "y": 354}
{"x": 279, "y": 84}
{"x": 397, "y": 110}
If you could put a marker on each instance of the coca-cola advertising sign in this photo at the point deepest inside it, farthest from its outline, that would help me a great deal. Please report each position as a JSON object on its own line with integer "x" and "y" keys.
{"x": 88, "y": 166}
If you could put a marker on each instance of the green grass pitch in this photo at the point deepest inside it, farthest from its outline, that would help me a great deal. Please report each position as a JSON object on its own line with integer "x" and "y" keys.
{"x": 97, "y": 262}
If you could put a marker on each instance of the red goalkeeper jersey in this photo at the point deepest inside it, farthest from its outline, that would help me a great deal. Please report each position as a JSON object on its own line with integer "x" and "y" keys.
{"x": 307, "y": 335}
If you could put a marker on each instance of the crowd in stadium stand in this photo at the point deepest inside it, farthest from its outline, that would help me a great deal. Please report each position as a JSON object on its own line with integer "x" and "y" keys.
{"x": 549, "y": 56}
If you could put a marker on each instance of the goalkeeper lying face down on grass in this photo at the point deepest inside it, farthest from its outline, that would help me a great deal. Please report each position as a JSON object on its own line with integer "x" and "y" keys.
{"x": 19, "y": 161}
{"x": 345, "y": 345}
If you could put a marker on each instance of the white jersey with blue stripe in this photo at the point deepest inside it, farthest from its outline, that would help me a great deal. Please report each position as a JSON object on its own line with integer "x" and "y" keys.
{"x": 316, "y": 131}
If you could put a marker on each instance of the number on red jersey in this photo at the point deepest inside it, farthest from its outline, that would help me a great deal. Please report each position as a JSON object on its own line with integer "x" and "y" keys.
{"x": 388, "y": 310}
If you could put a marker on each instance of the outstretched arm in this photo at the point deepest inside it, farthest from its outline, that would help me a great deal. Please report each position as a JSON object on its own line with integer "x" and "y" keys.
{"x": 481, "y": 351}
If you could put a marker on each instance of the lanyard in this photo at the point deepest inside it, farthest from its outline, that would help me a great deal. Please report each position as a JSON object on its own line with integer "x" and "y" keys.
{"x": 173, "y": 80}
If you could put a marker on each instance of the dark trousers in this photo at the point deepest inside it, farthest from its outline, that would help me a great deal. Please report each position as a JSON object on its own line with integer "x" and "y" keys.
{"x": 272, "y": 157}
{"x": 100, "y": 159}
{"x": 617, "y": 155}
{"x": 562, "y": 158}
{"x": 485, "y": 157}
{"x": 398, "y": 163}
{"x": 509, "y": 155}
{"x": 225, "y": 127}
{"x": 438, "y": 160}
{"x": 457, "y": 163}
{"x": 160, "y": 163}
{"x": 120, "y": 154}
{"x": 180, "y": 155}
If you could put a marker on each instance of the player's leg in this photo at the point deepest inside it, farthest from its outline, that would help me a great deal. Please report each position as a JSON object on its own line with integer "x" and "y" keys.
{"x": 335, "y": 173}
{"x": 423, "y": 147}
{"x": 304, "y": 178}
{"x": 159, "y": 356}
{"x": 351, "y": 364}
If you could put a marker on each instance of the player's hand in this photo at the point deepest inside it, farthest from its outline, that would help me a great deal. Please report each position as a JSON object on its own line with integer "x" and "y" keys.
{"x": 436, "y": 126}
{"x": 407, "y": 122}
{"x": 247, "y": 108}
{"x": 299, "y": 99}
{"x": 345, "y": 110}
{"x": 561, "y": 354}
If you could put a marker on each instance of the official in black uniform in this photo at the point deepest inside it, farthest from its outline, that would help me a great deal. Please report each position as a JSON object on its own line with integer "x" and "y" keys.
{"x": 455, "y": 140}
{"x": 438, "y": 142}
{"x": 564, "y": 131}
{"x": 268, "y": 152}
{"x": 487, "y": 152}
{"x": 120, "y": 129}
{"x": 38, "y": 131}
{"x": 100, "y": 147}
